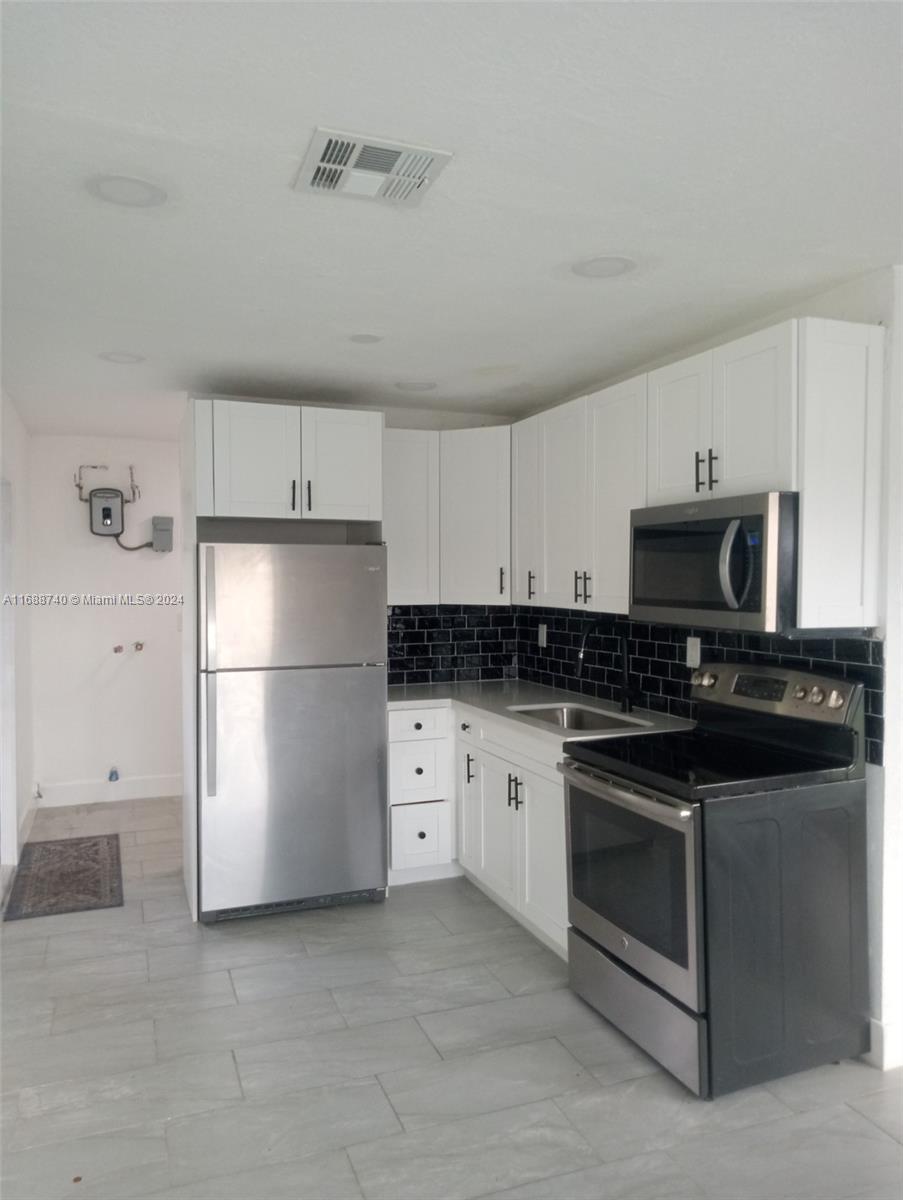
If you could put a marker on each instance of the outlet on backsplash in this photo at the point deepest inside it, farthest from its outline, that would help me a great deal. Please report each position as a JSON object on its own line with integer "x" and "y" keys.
{"x": 694, "y": 651}
{"x": 543, "y": 636}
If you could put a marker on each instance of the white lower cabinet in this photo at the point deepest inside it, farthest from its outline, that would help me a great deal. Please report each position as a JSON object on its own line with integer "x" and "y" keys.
{"x": 513, "y": 838}
{"x": 421, "y": 835}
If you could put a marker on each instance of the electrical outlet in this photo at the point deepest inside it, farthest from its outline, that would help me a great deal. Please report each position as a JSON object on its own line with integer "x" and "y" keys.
{"x": 543, "y": 636}
{"x": 694, "y": 651}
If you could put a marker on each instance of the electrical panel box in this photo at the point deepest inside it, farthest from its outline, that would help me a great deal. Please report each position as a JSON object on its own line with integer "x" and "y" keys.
{"x": 161, "y": 532}
{"x": 105, "y": 508}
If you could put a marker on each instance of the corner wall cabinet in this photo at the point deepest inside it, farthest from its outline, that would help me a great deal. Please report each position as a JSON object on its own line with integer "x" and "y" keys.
{"x": 411, "y": 514}
{"x": 475, "y": 515}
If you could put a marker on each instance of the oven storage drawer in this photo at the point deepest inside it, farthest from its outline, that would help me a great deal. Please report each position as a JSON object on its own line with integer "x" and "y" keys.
{"x": 676, "y": 1038}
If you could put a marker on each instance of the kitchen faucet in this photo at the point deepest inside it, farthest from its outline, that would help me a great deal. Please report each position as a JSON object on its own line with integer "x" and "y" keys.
{"x": 627, "y": 694}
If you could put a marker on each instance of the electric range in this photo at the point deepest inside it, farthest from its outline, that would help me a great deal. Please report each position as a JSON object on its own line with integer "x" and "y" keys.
{"x": 716, "y": 878}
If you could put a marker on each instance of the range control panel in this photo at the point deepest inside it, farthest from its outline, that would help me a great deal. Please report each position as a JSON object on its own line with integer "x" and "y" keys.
{"x": 778, "y": 691}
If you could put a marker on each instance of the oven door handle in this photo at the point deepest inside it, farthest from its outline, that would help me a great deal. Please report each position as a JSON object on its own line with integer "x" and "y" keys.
{"x": 656, "y": 810}
{"x": 724, "y": 563}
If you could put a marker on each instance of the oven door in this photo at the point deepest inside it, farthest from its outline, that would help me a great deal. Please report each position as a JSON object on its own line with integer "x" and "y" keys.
{"x": 727, "y": 564}
{"x": 634, "y": 882}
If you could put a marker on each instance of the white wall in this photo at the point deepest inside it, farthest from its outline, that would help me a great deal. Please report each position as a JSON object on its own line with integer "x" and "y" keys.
{"x": 16, "y": 746}
{"x": 94, "y": 709}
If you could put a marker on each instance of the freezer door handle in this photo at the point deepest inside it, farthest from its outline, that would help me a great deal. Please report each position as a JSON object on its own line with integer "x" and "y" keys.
{"x": 210, "y": 589}
{"x": 211, "y": 735}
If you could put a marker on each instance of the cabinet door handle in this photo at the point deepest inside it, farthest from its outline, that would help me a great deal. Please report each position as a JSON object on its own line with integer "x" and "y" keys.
{"x": 510, "y": 790}
{"x": 309, "y": 500}
{"x": 501, "y": 581}
{"x": 294, "y": 493}
{"x": 698, "y": 463}
{"x": 587, "y": 594}
{"x": 577, "y": 596}
{"x": 713, "y": 458}
{"x": 531, "y": 590}
{"x": 468, "y": 761}
{"x": 465, "y": 726}
{"x": 517, "y": 800}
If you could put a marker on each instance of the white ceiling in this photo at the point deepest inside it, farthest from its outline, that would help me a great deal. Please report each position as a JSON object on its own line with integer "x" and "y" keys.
{"x": 744, "y": 154}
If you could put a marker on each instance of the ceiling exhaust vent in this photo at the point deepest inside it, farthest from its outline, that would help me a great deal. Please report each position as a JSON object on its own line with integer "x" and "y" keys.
{"x": 368, "y": 168}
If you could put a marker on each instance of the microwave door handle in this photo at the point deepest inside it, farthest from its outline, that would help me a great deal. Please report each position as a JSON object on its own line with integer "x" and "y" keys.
{"x": 724, "y": 563}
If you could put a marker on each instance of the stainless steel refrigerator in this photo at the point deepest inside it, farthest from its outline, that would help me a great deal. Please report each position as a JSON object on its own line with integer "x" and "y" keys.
{"x": 292, "y": 726}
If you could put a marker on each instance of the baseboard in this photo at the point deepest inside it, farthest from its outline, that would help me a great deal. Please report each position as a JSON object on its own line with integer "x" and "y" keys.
{"x": 887, "y": 1045}
{"x": 26, "y": 823}
{"x": 99, "y": 791}
{"x": 424, "y": 874}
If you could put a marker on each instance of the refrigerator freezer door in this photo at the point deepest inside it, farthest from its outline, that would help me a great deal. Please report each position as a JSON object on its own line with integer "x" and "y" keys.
{"x": 291, "y": 606}
{"x": 296, "y": 805}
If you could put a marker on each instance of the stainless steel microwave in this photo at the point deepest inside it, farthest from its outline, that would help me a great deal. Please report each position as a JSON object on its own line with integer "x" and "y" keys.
{"x": 721, "y": 564}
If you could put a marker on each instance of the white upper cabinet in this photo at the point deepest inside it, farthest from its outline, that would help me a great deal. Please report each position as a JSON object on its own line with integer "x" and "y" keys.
{"x": 526, "y": 527}
{"x": 840, "y": 400}
{"x": 754, "y": 417}
{"x": 616, "y": 426}
{"x": 256, "y": 459}
{"x": 565, "y": 573}
{"x": 341, "y": 464}
{"x": 724, "y": 423}
{"x": 411, "y": 515}
{"x": 475, "y": 515}
{"x": 680, "y": 429}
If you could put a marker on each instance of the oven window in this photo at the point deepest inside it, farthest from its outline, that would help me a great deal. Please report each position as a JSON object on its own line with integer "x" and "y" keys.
{"x": 631, "y": 871}
{"x": 677, "y": 565}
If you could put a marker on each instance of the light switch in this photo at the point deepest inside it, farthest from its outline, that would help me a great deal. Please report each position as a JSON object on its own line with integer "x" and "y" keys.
{"x": 543, "y": 636}
{"x": 694, "y": 651}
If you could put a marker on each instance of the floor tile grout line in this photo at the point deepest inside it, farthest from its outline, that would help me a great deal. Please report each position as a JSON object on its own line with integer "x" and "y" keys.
{"x": 851, "y": 1105}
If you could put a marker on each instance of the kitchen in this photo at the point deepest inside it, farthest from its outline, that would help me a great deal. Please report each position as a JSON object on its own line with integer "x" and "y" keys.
{"x": 539, "y": 752}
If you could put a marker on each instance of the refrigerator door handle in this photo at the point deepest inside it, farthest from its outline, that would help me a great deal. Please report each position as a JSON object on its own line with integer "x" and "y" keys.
{"x": 210, "y": 588}
{"x": 211, "y": 735}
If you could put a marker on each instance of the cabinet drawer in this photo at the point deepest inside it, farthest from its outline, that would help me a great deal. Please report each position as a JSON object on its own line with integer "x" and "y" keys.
{"x": 412, "y": 724}
{"x": 418, "y": 771}
{"x": 421, "y": 835}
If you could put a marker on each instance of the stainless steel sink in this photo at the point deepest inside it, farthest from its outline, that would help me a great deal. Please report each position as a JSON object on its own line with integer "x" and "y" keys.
{"x": 575, "y": 716}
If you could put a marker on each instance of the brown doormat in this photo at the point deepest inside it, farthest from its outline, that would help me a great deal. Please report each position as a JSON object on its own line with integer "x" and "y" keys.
{"x": 67, "y": 876}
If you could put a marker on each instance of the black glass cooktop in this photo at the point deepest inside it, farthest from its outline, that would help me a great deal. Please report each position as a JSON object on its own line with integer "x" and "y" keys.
{"x": 700, "y": 763}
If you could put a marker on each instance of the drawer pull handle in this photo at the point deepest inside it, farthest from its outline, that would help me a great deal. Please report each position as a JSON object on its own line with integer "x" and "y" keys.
{"x": 465, "y": 726}
{"x": 421, "y": 835}
{"x": 418, "y": 724}
{"x": 418, "y": 770}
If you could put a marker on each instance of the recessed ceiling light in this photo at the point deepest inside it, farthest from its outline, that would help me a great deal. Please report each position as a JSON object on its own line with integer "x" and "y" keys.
{"x": 125, "y": 191}
{"x": 605, "y": 266}
{"x": 365, "y": 339}
{"x": 121, "y": 356}
{"x": 416, "y": 385}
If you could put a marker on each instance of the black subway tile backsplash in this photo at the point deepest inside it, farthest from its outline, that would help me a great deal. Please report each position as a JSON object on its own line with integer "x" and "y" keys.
{"x": 453, "y": 643}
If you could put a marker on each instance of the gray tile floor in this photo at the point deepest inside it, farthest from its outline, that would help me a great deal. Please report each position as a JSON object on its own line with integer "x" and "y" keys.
{"x": 427, "y": 1048}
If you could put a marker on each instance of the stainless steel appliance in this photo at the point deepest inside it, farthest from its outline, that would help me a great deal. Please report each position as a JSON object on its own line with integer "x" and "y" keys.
{"x": 292, "y": 726}
{"x": 725, "y": 564}
{"x": 716, "y": 878}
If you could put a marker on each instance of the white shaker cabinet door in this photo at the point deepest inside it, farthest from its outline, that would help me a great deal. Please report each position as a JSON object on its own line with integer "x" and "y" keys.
{"x": 680, "y": 431}
{"x": 754, "y": 413}
{"x": 498, "y": 864}
{"x": 616, "y": 420}
{"x": 256, "y": 459}
{"x": 341, "y": 464}
{"x": 542, "y": 854}
{"x": 470, "y": 826}
{"x": 526, "y": 523}
{"x": 475, "y": 515}
{"x": 411, "y": 515}
{"x": 564, "y": 516}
